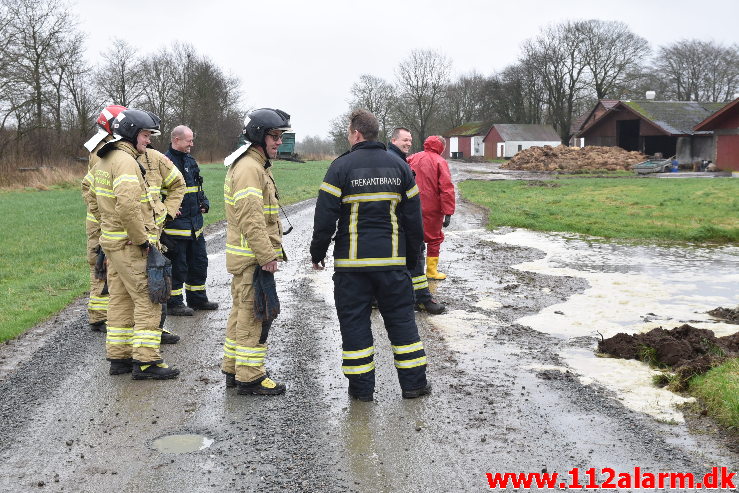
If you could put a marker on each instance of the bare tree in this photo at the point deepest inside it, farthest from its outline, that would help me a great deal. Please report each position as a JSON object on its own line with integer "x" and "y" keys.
{"x": 120, "y": 77}
{"x": 463, "y": 100}
{"x": 557, "y": 56}
{"x": 610, "y": 51}
{"x": 377, "y": 96}
{"x": 421, "y": 80}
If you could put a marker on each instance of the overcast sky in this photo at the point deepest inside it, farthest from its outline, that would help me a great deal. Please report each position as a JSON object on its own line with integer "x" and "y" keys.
{"x": 303, "y": 56}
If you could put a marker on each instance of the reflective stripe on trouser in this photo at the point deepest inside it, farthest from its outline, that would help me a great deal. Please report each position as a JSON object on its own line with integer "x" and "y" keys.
{"x": 189, "y": 270}
{"x": 133, "y": 320}
{"x": 245, "y": 347}
{"x": 353, "y": 293}
{"x": 97, "y": 306}
{"x": 433, "y": 236}
{"x": 420, "y": 281}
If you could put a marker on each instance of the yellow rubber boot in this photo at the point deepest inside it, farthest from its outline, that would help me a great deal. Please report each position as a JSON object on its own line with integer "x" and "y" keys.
{"x": 431, "y": 264}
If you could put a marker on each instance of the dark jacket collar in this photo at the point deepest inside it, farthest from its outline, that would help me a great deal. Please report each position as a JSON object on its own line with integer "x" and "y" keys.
{"x": 392, "y": 147}
{"x": 177, "y": 153}
{"x": 368, "y": 144}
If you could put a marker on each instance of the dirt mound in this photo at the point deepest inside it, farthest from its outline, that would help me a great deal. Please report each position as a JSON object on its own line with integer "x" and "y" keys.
{"x": 574, "y": 159}
{"x": 730, "y": 315}
{"x": 686, "y": 350}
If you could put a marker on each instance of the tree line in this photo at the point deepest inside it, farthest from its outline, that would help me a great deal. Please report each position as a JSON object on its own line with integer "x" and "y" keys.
{"x": 50, "y": 96}
{"x": 559, "y": 75}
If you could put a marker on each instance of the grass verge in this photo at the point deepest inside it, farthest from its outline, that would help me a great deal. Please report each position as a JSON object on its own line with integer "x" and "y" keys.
{"x": 719, "y": 391}
{"x": 43, "y": 265}
{"x": 687, "y": 209}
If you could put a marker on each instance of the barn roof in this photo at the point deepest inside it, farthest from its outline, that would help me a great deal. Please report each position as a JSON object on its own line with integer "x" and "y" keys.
{"x": 526, "y": 132}
{"x": 714, "y": 121}
{"x": 469, "y": 129}
{"x": 674, "y": 117}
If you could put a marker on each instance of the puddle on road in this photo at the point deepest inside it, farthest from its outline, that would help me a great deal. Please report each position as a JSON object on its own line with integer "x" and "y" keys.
{"x": 632, "y": 289}
{"x": 182, "y": 444}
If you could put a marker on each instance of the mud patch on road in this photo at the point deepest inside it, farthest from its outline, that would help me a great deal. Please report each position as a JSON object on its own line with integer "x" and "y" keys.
{"x": 686, "y": 350}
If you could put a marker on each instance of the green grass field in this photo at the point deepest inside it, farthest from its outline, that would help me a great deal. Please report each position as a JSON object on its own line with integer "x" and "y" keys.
{"x": 698, "y": 210}
{"x": 43, "y": 266}
{"x": 719, "y": 391}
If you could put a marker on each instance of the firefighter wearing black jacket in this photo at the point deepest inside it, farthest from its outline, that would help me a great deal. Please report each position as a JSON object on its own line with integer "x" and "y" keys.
{"x": 374, "y": 198}
{"x": 183, "y": 234}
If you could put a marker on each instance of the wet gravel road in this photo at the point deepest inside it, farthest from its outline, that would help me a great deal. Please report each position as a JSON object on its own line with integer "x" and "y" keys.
{"x": 497, "y": 404}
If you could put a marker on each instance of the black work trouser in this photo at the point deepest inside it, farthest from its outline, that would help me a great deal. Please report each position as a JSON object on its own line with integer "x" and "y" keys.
{"x": 418, "y": 276}
{"x": 353, "y": 294}
{"x": 189, "y": 271}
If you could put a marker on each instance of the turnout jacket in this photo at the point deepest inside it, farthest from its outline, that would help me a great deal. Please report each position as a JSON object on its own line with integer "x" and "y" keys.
{"x": 253, "y": 229}
{"x": 190, "y": 219}
{"x": 92, "y": 225}
{"x": 373, "y": 196}
{"x": 166, "y": 184}
{"x": 119, "y": 198}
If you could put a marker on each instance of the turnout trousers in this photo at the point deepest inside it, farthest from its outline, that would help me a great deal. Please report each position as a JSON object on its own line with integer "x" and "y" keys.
{"x": 420, "y": 281}
{"x": 245, "y": 347}
{"x": 133, "y": 319}
{"x": 97, "y": 306}
{"x": 189, "y": 271}
{"x": 353, "y": 293}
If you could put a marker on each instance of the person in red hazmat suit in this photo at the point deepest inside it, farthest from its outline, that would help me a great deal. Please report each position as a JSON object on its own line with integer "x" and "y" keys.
{"x": 437, "y": 198}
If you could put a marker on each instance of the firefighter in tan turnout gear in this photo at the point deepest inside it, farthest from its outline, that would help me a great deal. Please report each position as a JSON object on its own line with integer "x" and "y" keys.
{"x": 164, "y": 180}
{"x": 166, "y": 189}
{"x": 253, "y": 241}
{"x": 126, "y": 212}
{"x": 97, "y": 306}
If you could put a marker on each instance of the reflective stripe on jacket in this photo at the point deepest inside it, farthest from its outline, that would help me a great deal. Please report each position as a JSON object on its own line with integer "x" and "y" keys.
{"x": 374, "y": 198}
{"x": 121, "y": 199}
{"x": 253, "y": 229}
{"x": 190, "y": 218}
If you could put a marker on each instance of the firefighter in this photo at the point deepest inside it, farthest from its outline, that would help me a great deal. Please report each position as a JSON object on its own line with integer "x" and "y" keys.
{"x": 166, "y": 189}
{"x": 253, "y": 241}
{"x": 401, "y": 141}
{"x": 437, "y": 198}
{"x": 374, "y": 198}
{"x": 183, "y": 234}
{"x": 126, "y": 213}
{"x": 97, "y": 306}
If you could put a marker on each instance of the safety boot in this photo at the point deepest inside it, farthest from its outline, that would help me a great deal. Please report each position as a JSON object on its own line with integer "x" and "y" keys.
{"x": 98, "y": 326}
{"x": 416, "y": 393}
{"x": 431, "y": 265}
{"x": 230, "y": 380}
{"x": 430, "y": 306}
{"x": 262, "y": 386}
{"x": 361, "y": 397}
{"x": 120, "y": 366}
{"x": 169, "y": 338}
{"x": 207, "y": 305}
{"x": 180, "y": 310}
{"x": 158, "y": 371}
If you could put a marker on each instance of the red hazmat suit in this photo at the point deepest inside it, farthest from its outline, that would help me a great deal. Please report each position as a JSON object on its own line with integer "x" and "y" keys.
{"x": 436, "y": 189}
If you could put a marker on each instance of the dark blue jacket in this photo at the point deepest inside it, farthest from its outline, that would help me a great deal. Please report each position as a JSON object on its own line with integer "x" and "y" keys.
{"x": 374, "y": 198}
{"x": 190, "y": 219}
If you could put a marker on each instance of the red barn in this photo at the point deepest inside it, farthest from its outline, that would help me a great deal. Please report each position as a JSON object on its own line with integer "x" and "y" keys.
{"x": 725, "y": 126}
{"x": 466, "y": 140}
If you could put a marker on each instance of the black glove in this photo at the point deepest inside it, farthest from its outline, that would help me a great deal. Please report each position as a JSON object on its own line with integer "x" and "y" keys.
{"x": 145, "y": 245}
{"x": 101, "y": 268}
{"x": 204, "y": 207}
{"x": 447, "y": 220}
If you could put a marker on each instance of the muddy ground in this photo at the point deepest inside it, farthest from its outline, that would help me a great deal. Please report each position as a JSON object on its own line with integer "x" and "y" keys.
{"x": 497, "y": 405}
